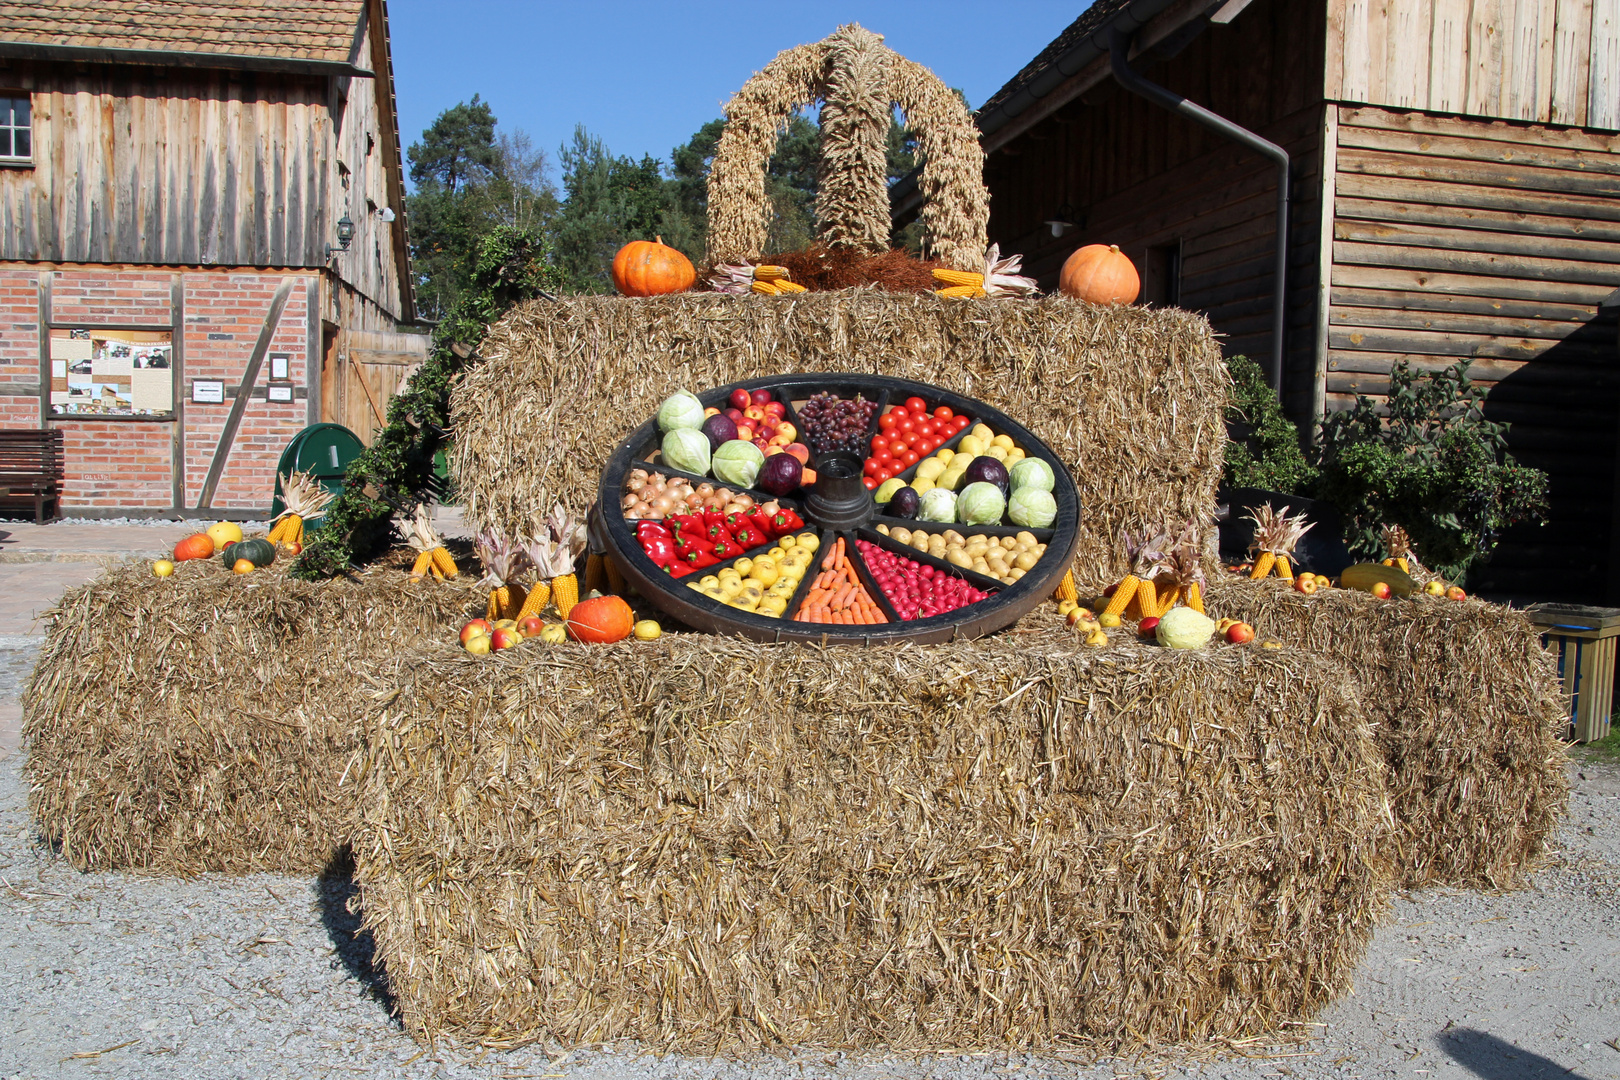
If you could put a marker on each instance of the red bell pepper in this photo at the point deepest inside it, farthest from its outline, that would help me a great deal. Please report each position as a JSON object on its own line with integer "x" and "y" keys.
{"x": 785, "y": 521}
{"x": 749, "y": 537}
{"x": 660, "y": 549}
{"x": 698, "y": 559}
{"x": 679, "y": 569}
{"x": 726, "y": 548}
{"x": 688, "y": 524}
{"x": 760, "y": 518}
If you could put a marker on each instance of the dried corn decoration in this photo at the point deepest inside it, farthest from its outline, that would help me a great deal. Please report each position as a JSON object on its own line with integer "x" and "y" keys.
{"x": 304, "y": 499}
{"x": 999, "y": 278}
{"x": 504, "y": 559}
{"x": 1146, "y": 557}
{"x": 553, "y": 555}
{"x": 431, "y": 555}
{"x": 1275, "y": 537}
{"x": 1067, "y": 590}
{"x": 1184, "y": 573}
{"x": 857, "y": 78}
{"x": 1399, "y": 546}
{"x": 764, "y": 280}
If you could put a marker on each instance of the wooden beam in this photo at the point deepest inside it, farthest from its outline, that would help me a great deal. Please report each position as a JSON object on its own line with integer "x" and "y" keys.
{"x": 1328, "y": 205}
{"x": 177, "y": 388}
{"x": 216, "y": 468}
{"x": 44, "y": 283}
{"x": 312, "y": 351}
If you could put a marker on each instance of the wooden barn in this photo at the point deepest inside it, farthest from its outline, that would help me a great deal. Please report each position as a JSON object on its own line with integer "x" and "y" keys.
{"x": 202, "y": 240}
{"x": 1454, "y": 192}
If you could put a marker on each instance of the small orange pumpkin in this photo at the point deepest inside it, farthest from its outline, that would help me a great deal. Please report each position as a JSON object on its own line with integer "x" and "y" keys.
{"x": 1100, "y": 274}
{"x": 196, "y": 546}
{"x": 601, "y": 620}
{"x": 649, "y": 268}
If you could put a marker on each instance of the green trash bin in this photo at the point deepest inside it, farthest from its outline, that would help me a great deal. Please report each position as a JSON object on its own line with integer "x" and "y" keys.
{"x": 322, "y": 450}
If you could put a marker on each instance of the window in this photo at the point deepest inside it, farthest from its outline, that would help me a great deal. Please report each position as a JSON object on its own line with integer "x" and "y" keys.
{"x": 16, "y": 129}
{"x": 1161, "y": 275}
{"x": 100, "y": 373}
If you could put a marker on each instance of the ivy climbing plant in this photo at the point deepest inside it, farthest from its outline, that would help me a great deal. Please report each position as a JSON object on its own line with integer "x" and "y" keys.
{"x": 397, "y": 470}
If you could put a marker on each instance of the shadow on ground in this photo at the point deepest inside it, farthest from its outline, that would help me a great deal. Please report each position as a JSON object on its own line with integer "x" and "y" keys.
{"x": 1491, "y": 1058}
{"x": 339, "y": 901}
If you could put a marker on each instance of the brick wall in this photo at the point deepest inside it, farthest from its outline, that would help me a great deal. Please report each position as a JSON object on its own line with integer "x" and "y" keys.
{"x": 115, "y": 465}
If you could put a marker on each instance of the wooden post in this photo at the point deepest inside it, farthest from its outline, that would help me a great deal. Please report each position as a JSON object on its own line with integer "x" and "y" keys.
{"x": 177, "y": 388}
{"x": 44, "y": 347}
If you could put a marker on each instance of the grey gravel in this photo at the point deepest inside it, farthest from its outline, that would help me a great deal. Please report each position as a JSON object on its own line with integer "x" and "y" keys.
{"x": 267, "y": 976}
{"x": 157, "y": 523}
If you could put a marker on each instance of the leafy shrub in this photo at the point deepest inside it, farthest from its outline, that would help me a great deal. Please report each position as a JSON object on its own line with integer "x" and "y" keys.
{"x": 1267, "y": 453}
{"x": 1433, "y": 465}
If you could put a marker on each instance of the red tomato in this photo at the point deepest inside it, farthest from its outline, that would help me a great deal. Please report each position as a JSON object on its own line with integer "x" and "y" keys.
{"x": 943, "y": 413}
{"x": 898, "y": 443}
{"x": 916, "y": 406}
{"x": 871, "y": 484}
{"x": 872, "y": 467}
{"x": 884, "y": 474}
{"x": 887, "y": 421}
{"x": 959, "y": 423}
{"x": 910, "y": 457}
{"x": 933, "y": 444}
{"x": 906, "y": 426}
{"x": 880, "y": 446}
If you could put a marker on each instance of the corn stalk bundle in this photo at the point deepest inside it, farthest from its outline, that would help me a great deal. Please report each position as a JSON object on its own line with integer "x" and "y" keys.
{"x": 553, "y": 556}
{"x": 429, "y": 546}
{"x": 504, "y": 558}
{"x": 1275, "y": 537}
{"x": 857, "y": 78}
{"x": 999, "y": 278}
{"x": 1146, "y": 555}
{"x": 765, "y": 280}
{"x": 1183, "y": 576}
{"x": 1398, "y": 545}
{"x": 304, "y": 499}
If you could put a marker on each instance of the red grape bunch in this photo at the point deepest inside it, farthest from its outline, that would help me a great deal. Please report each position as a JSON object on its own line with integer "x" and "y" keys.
{"x": 832, "y": 423}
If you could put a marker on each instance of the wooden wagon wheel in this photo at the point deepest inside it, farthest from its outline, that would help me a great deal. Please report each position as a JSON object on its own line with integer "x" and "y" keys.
{"x": 839, "y": 506}
{"x": 858, "y": 79}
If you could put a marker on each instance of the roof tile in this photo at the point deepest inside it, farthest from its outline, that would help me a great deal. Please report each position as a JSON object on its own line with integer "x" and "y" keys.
{"x": 275, "y": 29}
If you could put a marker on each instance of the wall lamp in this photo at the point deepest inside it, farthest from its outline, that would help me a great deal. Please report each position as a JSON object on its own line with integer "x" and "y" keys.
{"x": 345, "y": 236}
{"x": 1063, "y": 222}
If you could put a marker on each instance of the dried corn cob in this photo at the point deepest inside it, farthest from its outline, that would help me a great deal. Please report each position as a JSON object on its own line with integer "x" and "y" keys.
{"x": 961, "y": 292}
{"x": 784, "y": 288}
{"x": 959, "y": 277}
{"x": 1066, "y": 589}
{"x": 764, "y": 288}
{"x": 771, "y": 273}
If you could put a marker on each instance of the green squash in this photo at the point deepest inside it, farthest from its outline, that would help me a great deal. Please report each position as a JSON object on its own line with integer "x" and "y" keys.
{"x": 258, "y": 551}
{"x": 1365, "y": 575}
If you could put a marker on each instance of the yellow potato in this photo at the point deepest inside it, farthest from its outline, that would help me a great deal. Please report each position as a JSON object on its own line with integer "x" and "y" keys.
{"x": 902, "y": 535}
{"x": 1015, "y": 455}
{"x": 971, "y": 445}
{"x": 958, "y": 557}
{"x": 930, "y": 468}
{"x": 983, "y": 433}
{"x": 1003, "y": 441}
{"x": 997, "y": 452}
{"x": 921, "y": 541}
{"x": 951, "y": 478}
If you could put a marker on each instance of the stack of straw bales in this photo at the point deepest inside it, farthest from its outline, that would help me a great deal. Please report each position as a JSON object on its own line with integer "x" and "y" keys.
{"x": 1131, "y": 398}
{"x": 1467, "y": 711}
{"x": 1003, "y": 843}
{"x": 205, "y": 722}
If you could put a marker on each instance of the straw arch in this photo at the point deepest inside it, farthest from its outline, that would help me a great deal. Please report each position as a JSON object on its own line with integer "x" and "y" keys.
{"x": 858, "y": 79}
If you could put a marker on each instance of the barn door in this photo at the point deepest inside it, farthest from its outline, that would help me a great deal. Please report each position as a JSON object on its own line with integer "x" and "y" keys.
{"x": 366, "y": 369}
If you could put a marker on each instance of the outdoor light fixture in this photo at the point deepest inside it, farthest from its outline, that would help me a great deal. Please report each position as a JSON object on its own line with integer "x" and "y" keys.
{"x": 385, "y": 214}
{"x": 1063, "y": 220}
{"x": 345, "y": 235}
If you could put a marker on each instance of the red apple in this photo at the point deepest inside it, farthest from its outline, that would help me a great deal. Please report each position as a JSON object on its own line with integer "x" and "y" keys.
{"x": 762, "y": 444}
{"x": 755, "y": 414}
{"x": 740, "y": 399}
{"x": 760, "y": 397}
{"x": 1306, "y": 584}
{"x": 734, "y": 415}
{"x": 800, "y": 451}
{"x": 1239, "y": 633}
{"x": 1456, "y": 593}
{"x": 1147, "y": 626}
{"x": 476, "y": 626}
{"x": 785, "y": 428}
{"x": 745, "y": 433}
{"x": 1380, "y": 589}
{"x": 531, "y": 626}
{"x": 503, "y": 638}
{"x": 293, "y": 547}
{"x": 776, "y": 409}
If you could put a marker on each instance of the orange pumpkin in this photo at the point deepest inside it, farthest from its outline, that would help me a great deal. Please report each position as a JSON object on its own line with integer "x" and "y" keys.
{"x": 649, "y": 268}
{"x": 1100, "y": 274}
{"x": 197, "y": 546}
{"x": 601, "y": 620}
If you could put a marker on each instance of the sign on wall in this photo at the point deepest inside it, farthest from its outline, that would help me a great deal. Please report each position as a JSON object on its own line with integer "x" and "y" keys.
{"x": 101, "y": 373}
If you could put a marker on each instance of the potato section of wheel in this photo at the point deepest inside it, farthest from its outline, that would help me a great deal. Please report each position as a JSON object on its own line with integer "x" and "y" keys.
{"x": 861, "y": 584}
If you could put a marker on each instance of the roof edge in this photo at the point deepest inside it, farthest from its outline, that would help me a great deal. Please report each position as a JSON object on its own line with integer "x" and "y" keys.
{"x": 88, "y": 54}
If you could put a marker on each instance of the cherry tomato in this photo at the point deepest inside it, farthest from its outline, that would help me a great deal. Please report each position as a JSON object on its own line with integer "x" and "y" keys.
{"x": 884, "y": 474}
{"x": 906, "y": 426}
{"x": 916, "y": 406}
{"x": 872, "y": 467}
{"x": 910, "y": 457}
{"x": 887, "y": 421}
{"x": 933, "y": 444}
{"x": 898, "y": 444}
{"x": 943, "y": 413}
{"x": 871, "y": 484}
{"x": 959, "y": 423}
{"x": 880, "y": 446}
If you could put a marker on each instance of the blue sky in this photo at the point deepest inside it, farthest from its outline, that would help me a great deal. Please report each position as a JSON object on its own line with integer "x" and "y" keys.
{"x": 644, "y": 76}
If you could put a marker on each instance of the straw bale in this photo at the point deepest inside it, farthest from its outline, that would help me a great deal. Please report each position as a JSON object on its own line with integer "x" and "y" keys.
{"x": 1131, "y": 398}
{"x": 1467, "y": 711}
{"x": 205, "y": 722}
{"x": 1003, "y": 843}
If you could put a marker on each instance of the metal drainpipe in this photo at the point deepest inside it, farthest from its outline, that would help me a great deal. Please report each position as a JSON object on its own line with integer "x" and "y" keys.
{"x": 1118, "y": 43}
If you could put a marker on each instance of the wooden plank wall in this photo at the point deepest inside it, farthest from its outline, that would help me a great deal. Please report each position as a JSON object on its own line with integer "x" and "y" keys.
{"x": 380, "y": 363}
{"x": 1550, "y": 61}
{"x": 1139, "y": 176}
{"x": 1491, "y": 242}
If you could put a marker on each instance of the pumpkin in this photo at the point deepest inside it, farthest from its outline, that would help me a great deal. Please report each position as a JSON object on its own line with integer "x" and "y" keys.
{"x": 601, "y": 620}
{"x": 649, "y": 268}
{"x": 1100, "y": 274}
{"x": 258, "y": 551}
{"x": 196, "y": 546}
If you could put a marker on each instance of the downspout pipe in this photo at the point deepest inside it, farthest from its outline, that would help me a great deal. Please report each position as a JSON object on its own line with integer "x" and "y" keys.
{"x": 1118, "y": 44}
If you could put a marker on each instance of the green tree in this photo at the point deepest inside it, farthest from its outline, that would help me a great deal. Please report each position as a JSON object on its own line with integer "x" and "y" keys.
{"x": 1265, "y": 452}
{"x": 607, "y": 201}
{"x": 457, "y": 149}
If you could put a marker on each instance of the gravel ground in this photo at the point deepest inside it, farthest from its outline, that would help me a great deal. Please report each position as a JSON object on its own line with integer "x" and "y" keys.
{"x": 265, "y": 976}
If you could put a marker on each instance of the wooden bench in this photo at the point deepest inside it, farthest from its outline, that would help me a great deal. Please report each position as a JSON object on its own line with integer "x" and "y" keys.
{"x": 31, "y": 469}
